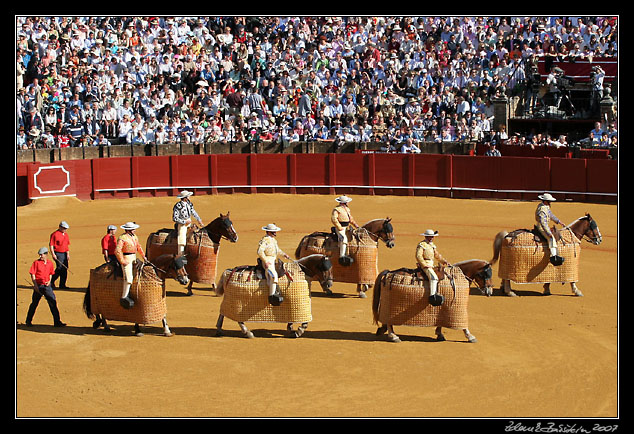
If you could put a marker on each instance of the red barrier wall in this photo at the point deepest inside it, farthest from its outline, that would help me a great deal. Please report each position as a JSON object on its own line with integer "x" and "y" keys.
{"x": 375, "y": 173}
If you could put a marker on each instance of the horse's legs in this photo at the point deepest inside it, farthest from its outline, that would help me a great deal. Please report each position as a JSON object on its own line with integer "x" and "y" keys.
{"x": 546, "y": 289}
{"x": 361, "y": 289}
{"x": 391, "y": 336}
{"x": 104, "y": 323}
{"x": 189, "y": 288}
{"x": 575, "y": 290}
{"x": 137, "y": 330}
{"x": 98, "y": 321}
{"x": 469, "y": 336}
{"x": 382, "y": 329}
{"x": 166, "y": 329}
{"x": 506, "y": 286}
{"x": 245, "y": 331}
{"x": 296, "y": 333}
{"x": 219, "y": 331}
{"x": 439, "y": 336}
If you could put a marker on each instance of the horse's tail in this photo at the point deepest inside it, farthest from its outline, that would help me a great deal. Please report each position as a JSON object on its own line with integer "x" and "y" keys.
{"x": 376, "y": 296}
{"x": 220, "y": 287}
{"x": 497, "y": 243}
{"x": 298, "y": 250}
{"x": 87, "y": 307}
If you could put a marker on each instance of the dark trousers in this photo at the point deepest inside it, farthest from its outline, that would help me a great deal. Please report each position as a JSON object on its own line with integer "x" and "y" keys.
{"x": 60, "y": 271}
{"x": 49, "y": 295}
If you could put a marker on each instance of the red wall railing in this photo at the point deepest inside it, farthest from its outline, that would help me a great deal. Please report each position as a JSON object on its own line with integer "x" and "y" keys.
{"x": 459, "y": 176}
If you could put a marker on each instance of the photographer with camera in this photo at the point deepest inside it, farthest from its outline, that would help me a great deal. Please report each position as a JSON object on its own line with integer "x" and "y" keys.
{"x": 552, "y": 81}
{"x": 597, "y": 75}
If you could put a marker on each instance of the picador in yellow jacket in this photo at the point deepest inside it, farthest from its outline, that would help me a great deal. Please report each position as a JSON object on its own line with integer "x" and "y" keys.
{"x": 268, "y": 252}
{"x": 426, "y": 253}
{"x": 341, "y": 218}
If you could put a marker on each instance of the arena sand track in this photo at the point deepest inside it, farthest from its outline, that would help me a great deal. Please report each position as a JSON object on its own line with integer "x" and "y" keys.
{"x": 536, "y": 356}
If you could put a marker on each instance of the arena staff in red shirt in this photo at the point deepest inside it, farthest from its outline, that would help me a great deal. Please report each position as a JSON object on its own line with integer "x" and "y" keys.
{"x": 59, "y": 245}
{"x": 41, "y": 271}
{"x": 109, "y": 244}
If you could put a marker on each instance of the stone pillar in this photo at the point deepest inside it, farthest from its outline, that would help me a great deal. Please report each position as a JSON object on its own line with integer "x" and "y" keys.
{"x": 500, "y": 112}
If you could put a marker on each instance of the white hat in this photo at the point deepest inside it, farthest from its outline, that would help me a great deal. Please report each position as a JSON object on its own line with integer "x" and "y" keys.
{"x": 184, "y": 193}
{"x": 547, "y": 197}
{"x": 343, "y": 199}
{"x": 111, "y": 227}
{"x": 271, "y": 228}
{"x": 129, "y": 226}
{"x": 430, "y": 233}
{"x": 63, "y": 224}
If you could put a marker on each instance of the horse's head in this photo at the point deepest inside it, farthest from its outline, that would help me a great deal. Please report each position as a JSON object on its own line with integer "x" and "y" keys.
{"x": 480, "y": 272}
{"x": 593, "y": 233}
{"x": 586, "y": 227}
{"x": 318, "y": 267}
{"x": 381, "y": 229}
{"x": 484, "y": 280}
{"x": 172, "y": 266}
{"x": 222, "y": 227}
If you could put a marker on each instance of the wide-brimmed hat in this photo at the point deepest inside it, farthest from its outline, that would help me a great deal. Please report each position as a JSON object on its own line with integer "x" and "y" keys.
{"x": 129, "y": 226}
{"x": 184, "y": 193}
{"x": 430, "y": 233}
{"x": 271, "y": 228}
{"x": 547, "y": 197}
{"x": 343, "y": 199}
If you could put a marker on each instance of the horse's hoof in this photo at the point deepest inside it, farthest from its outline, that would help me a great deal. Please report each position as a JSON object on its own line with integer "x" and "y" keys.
{"x": 96, "y": 324}
{"x": 473, "y": 340}
{"x": 578, "y": 293}
{"x": 190, "y": 293}
{"x": 327, "y": 291}
{"x": 440, "y": 338}
{"x": 381, "y": 330}
{"x": 248, "y": 335}
{"x": 139, "y": 334}
{"x": 546, "y": 292}
{"x": 106, "y": 328}
{"x": 219, "y": 333}
{"x": 362, "y": 294}
{"x": 168, "y": 334}
{"x": 394, "y": 338}
{"x": 511, "y": 294}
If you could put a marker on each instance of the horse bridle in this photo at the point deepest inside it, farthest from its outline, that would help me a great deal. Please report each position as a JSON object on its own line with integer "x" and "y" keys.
{"x": 324, "y": 265}
{"x": 593, "y": 239}
{"x": 386, "y": 229}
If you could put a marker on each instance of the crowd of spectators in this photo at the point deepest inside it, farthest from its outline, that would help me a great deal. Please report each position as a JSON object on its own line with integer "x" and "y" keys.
{"x": 88, "y": 81}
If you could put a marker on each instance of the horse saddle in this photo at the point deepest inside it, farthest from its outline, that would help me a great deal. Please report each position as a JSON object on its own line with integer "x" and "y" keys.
{"x": 259, "y": 270}
{"x": 538, "y": 237}
{"x": 418, "y": 274}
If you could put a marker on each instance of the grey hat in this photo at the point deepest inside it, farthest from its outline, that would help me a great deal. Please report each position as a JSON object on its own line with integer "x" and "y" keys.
{"x": 43, "y": 250}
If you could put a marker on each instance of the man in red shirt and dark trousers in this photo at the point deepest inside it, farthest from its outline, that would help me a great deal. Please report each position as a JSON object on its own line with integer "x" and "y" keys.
{"x": 109, "y": 245}
{"x": 41, "y": 271}
{"x": 59, "y": 247}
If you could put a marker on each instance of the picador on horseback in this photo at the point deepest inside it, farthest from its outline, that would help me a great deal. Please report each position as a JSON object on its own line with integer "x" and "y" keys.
{"x": 268, "y": 252}
{"x": 543, "y": 216}
{"x": 182, "y": 215}
{"x": 426, "y": 253}
{"x": 341, "y": 218}
{"x": 126, "y": 252}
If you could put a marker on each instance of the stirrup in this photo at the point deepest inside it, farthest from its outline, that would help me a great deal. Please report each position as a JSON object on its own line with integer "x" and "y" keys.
{"x": 556, "y": 260}
{"x": 436, "y": 299}
{"x": 276, "y": 299}
{"x": 126, "y": 302}
{"x": 346, "y": 260}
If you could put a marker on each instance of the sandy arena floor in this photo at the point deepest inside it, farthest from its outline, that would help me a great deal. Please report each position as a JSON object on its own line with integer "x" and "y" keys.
{"x": 536, "y": 356}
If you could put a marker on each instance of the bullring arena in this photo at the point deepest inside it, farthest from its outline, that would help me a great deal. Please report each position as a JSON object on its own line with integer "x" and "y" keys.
{"x": 536, "y": 356}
